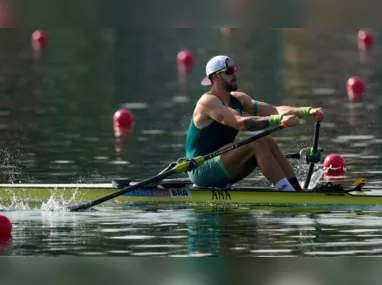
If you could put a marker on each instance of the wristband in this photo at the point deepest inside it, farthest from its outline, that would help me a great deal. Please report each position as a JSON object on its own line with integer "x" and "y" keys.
{"x": 275, "y": 120}
{"x": 304, "y": 111}
{"x": 255, "y": 107}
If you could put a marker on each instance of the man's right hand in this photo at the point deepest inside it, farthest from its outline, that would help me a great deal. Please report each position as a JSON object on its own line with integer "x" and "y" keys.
{"x": 290, "y": 120}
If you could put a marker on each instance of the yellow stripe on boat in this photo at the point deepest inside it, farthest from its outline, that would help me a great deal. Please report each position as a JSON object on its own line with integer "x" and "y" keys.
{"x": 241, "y": 195}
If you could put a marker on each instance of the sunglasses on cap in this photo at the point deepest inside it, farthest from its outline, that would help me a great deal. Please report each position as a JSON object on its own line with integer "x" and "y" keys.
{"x": 227, "y": 70}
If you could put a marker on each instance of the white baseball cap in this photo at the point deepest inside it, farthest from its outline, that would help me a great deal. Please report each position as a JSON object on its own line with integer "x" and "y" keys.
{"x": 215, "y": 64}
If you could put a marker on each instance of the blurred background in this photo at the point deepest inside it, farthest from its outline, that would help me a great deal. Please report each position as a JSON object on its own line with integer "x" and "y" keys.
{"x": 60, "y": 89}
{"x": 83, "y": 103}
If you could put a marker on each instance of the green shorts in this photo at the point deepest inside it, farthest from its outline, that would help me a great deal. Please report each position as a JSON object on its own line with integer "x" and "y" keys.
{"x": 212, "y": 173}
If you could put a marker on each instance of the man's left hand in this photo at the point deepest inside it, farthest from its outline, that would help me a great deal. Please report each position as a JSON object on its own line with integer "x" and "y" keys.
{"x": 317, "y": 113}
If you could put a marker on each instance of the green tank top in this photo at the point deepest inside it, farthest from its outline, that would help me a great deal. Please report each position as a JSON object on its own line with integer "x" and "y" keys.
{"x": 212, "y": 137}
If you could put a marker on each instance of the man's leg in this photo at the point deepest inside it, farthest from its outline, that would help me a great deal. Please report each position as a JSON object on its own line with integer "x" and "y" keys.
{"x": 247, "y": 169}
{"x": 236, "y": 160}
{"x": 283, "y": 162}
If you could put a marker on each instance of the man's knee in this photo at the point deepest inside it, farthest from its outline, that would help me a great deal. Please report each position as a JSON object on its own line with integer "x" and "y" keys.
{"x": 271, "y": 142}
{"x": 259, "y": 145}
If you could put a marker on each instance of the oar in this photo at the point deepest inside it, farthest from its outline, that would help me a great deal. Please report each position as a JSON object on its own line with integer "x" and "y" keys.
{"x": 178, "y": 182}
{"x": 293, "y": 155}
{"x": 313, "y": 155}
{"x": 180, "y": 168}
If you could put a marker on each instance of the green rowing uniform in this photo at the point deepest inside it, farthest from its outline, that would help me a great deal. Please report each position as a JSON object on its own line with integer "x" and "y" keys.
{"x": 206, "y": 140}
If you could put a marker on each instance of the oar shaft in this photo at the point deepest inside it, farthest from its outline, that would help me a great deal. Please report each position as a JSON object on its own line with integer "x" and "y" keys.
{"x": 316, "y": 137}
{"x": 244, "y": 142}
{"x": 121, "y": 192}
{"x": 315, "y": 148}
{"x": 199, "y": 160}
{"x": 180, "y": 168}
{"x": 293, "y": 155}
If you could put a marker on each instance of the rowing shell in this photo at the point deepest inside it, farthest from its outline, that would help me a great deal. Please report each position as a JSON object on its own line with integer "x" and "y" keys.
{"x": 179, "y": 191}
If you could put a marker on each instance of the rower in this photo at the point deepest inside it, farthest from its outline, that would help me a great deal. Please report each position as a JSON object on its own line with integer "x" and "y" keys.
{"x": 216, "y": 121}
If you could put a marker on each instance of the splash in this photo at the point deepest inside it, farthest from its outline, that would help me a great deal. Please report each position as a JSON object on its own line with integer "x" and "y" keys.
{"x": 13, "y": 202}
{"x": 13, "y": 161}
{"x": 18, "y": 204}
{"x": 301, "y": 168}
{"x": 316, "y": 177}
{"x": 57, "y": 202}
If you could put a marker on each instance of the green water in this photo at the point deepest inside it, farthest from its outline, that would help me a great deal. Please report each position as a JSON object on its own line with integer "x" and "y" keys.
{"x": 56, "y": 127}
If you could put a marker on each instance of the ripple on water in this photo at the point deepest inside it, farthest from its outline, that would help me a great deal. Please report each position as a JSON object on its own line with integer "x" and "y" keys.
{"x": 119, "y": 162}
{"x": 133, "y": 237}
{"x": 136, "y": 105}
{"x": 119, "y": 230}
{"x": 144, "y": 246}
{"x": 123, "y": 252}
{"x": 101, "y": 157}
{"x": 180, "y": 99}
{"x": 62, "y": 161}
{"x": 186, "y": 232}
{"x": 355, "y": 137}
{"x": 148, "y": 253}
{"x": 273, "y": 250}
{"x": 323, "y": 91}
{"x": 153, "y": 132}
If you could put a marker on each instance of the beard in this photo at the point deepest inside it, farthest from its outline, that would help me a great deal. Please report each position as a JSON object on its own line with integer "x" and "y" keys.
{"x": 230, "y": 86}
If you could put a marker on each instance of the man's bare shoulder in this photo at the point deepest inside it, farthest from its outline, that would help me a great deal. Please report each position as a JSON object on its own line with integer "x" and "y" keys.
{"x": 206, "y": 105}
{"x": 208, "y": 100}
{"x": 239, "y": 94}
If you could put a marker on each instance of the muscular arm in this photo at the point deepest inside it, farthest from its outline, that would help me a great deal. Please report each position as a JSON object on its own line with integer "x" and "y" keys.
{"x": 264, "y": 109}
{"x": 256, "y": 123}
{"x": 288, "y": 110}
{"x": 213, "y": 108}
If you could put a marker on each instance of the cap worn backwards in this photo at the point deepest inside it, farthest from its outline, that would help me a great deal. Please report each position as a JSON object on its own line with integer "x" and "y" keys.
{"x": 215, "y": 64}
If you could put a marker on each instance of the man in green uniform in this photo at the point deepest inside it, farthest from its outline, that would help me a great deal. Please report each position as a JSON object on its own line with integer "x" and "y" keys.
{"x": 216, "y": 121}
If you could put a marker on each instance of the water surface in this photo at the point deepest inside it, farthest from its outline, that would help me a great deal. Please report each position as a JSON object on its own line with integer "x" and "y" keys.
{"x": 56, "y": 127}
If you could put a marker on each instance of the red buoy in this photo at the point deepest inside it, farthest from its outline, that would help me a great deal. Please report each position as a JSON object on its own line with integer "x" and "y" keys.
{"x": 39, "y": 39}
{"x": 335, "y": 168}
{"x": 226, "y": 31}
{"x": 185, "y": 60}
{"x": 365, "y": 39}
{"x": 334, "y": 165}
{"x": 123, "y": 119}
{"x": 355, "y": 89}
{"x": 6, "y": 15}
{"x": 5, "y": 241}
{"x": 5, "y": 226}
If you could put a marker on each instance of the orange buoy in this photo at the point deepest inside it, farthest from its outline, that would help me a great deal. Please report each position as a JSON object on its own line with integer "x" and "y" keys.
{"x": 5, "y": 226}
{"x": 355, "y": 89}
{"x": 185, "y": 60}
{"x": 365, "y": 39}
